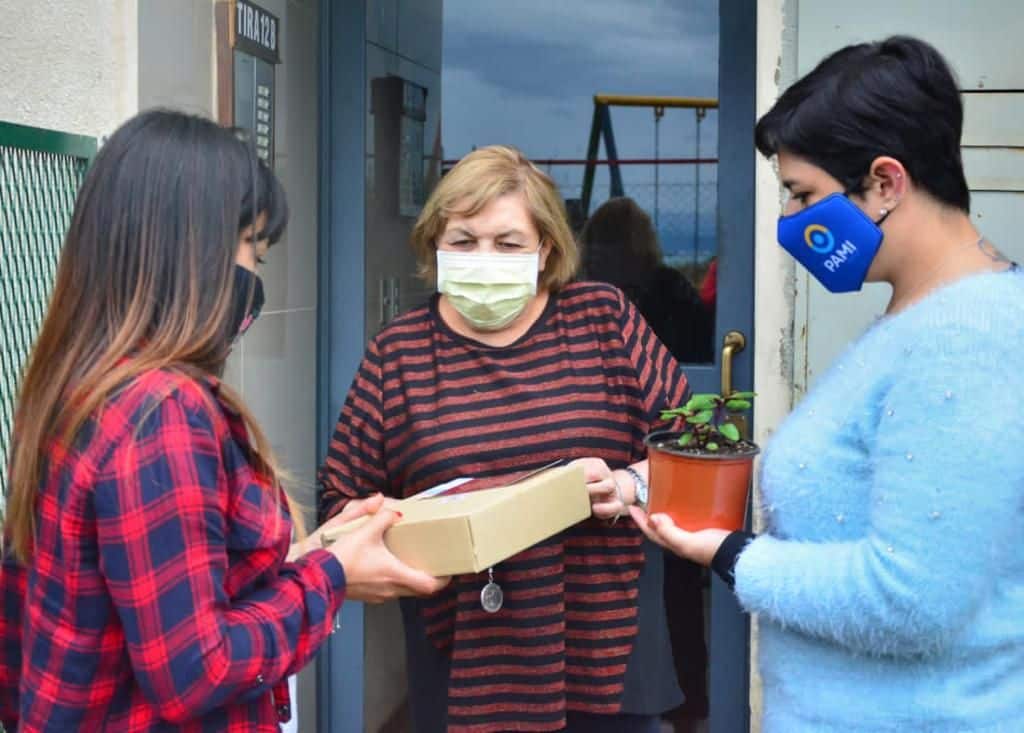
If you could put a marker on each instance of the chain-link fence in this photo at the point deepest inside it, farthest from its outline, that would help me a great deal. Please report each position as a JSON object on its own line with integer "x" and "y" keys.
{"x": 40, "y": 172}
{"x": 684, "y": 213}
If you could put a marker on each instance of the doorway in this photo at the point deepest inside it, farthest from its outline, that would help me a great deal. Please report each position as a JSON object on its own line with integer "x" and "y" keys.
{"x": 550, "y": 80}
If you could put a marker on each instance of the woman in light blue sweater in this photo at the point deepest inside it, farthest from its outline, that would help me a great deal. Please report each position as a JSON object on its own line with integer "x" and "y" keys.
{"x": 889, "y": 581}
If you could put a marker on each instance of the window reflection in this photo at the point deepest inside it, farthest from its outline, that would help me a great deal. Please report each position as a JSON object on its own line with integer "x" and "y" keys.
{"x": 619, "y": 245}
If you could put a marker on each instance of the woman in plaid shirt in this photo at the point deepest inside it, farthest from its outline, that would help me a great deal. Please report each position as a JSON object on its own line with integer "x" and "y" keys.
{"x": 150, "y": 581}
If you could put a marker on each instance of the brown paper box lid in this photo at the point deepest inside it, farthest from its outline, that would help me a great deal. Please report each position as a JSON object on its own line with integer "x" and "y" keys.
{"x": 457, "y": 533}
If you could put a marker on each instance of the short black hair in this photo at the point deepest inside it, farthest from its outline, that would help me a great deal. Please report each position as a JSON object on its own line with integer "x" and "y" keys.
{"x": 896, "y": 97}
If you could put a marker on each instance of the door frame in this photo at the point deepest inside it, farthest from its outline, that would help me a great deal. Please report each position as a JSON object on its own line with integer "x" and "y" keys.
{"x": 729, "y": 642}
{"x": 341, "y": 302}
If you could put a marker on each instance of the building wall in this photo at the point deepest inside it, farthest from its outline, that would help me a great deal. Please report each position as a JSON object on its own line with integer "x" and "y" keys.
{"x": 68, "y": 65}
{"x": 175, "y": 61}
{"x": 774, "y": 272}
{"x": 84, "y": 66}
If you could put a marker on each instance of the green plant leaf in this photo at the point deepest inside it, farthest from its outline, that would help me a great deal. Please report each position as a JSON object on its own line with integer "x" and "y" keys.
{"x": 737, "y": 405}
{"x": 702, "y": 402}
{"x": 712, "y": 447}
{"x": 742, "y": 395}
{"x": 685, "y": 439}
{"x": 730, "y": 432}
{"x": 701, "y": 418}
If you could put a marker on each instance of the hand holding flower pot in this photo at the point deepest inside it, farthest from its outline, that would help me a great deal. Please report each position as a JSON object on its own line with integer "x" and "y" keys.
{"x": 700, "y": 473}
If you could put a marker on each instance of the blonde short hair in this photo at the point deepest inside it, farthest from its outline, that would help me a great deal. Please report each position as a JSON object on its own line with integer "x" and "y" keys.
{"x": 476, "y": 181}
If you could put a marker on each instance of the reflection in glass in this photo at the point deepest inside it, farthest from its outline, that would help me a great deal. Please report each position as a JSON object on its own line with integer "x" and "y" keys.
{"x": 620, "y": 246}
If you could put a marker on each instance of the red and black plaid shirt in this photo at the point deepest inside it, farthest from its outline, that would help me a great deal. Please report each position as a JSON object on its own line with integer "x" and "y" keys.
{"x": 158, "y": 596}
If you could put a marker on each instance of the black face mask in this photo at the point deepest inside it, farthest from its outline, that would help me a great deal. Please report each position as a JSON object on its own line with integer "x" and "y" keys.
{"x": 248, "y": 300}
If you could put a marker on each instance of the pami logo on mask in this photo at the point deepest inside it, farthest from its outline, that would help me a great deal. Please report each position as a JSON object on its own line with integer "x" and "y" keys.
{"x": 834, "y": 240}
{"x": 820, "y": 239}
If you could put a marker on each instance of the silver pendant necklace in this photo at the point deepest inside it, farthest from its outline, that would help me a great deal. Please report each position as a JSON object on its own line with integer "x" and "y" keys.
{"x": 492, "y": 597}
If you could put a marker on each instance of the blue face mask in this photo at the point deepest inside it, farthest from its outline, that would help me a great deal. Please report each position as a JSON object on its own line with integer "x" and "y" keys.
{"x": 834, "y": 240}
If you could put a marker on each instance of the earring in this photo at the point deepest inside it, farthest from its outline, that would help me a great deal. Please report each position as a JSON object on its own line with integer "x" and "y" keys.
{"x": 883, "y": 212}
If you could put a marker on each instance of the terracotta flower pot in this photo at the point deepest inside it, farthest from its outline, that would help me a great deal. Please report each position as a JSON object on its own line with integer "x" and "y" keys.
{"x": 698, "y": 490}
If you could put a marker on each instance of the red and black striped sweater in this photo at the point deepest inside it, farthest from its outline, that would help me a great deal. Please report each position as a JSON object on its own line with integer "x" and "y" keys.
{"x": 428, "y": 405}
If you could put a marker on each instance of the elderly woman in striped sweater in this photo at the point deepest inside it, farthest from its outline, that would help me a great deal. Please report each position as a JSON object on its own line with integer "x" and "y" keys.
{"x": 510, "y": 366}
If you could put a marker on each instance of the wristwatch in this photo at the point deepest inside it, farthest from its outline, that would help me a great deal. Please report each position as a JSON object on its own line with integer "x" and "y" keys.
{"x": 642, "y": 490}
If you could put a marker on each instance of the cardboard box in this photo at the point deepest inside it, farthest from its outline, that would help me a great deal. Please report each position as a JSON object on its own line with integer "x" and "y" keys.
{"x": 470, "y": 525}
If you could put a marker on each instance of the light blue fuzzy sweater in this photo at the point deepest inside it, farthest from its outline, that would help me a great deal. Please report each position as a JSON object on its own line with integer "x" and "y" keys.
{"x": 890, "y": 582}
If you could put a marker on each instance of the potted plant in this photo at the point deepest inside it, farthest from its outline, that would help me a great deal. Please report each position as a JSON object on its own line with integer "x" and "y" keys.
{"x": 700, "y": 471}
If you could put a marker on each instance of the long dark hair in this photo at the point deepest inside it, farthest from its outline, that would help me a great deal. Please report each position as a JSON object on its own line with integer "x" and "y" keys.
{"x": 618, "y": 244}
{"x": 145, "y": 282}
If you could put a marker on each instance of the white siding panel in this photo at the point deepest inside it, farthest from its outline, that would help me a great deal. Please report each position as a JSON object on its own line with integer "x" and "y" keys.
{"x": 994, "y": 119}
{"x": 836, "y": 321}
{"x": 980, "y": 38}
{"x": 1000, "y": 217}
{"x": 994, "y": 169}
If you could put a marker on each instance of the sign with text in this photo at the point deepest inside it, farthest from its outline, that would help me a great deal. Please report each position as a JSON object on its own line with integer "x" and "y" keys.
{"x": 255, "y": 103}
{"x": 256, "y": 39}
{"x": 257, "y": 32}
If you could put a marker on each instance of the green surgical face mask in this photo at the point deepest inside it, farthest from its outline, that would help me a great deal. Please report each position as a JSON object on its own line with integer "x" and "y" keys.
{"x": 488, "y": 290}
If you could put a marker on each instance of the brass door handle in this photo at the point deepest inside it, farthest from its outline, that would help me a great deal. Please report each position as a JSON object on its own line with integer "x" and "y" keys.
{"x": 733, "y": 343}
